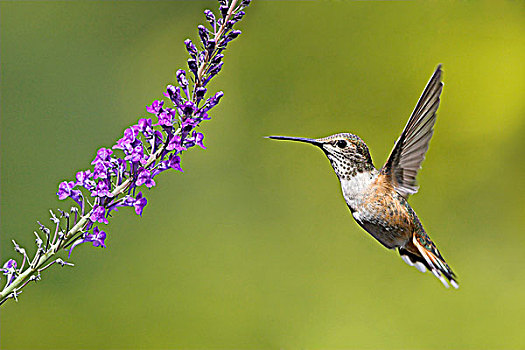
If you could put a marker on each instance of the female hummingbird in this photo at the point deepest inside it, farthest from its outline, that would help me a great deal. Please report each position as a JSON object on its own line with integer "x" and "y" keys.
{"x": 378, "y": 198}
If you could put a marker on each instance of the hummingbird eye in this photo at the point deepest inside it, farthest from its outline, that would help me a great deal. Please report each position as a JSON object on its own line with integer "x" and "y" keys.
{"x": 341, "y": 144}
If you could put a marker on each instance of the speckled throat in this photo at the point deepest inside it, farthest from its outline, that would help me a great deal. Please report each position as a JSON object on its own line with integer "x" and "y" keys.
{"x": 347, "y": 166}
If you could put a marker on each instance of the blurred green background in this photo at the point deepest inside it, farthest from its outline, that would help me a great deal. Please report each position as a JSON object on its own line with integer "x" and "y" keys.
{"x": 253, "y": 246}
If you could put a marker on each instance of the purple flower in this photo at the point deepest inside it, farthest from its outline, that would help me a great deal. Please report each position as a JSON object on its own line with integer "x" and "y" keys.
{"x": 103, "y": 155}
{"x": 224, "y": 10}
{"x": 202, "y": 56}
{"x": 192, "y": 65}
{"x": 145, "y": 126}
{"x": 125, "y": 143}
{"x": 212, "y": 101}
{"x": 181, "y": 78}
{"x": 9, "y": 269}
{"x": 198, "y": 140}
{"x": 9, "y": 266}
{"x": 199, "y": 93}
{"x": 149, "y": 149}
{"x": 97, "y": 238}
{"x": 210, "y": 17}
{"x": 200, "y": 114}
{"x": 188, "y": 124}
{"x": 166, "y": 118}
{"x": 237, "y": 17}
{"x": 210, "y": 45}
{"x": 203, "y": 33}
{"x": 214, "y": 70}
{"x": 99, "y": 214}
{"x": 158, "y": 137}
{"x": 175, "y": 143}
{"x": 64, "y": 189}
{"x": 139, "y": 204}
{"x": 145, "y": 178}
{"x": 174, "y": 162}
{"x": 136, "y": 155}
{"x": 232, "y": 35}
{"x": 188, "y": 108}
{"x": 183, "y": 82}
{"x": 192, "y": 50}
{"x": 100, "y": 171}
{"x": 82, "y": 177}
{"x": 195, "y": 139}
{"x": 173, "y": 93}
{"x": 102, "y": 190}
{"x": 155, "y": 107}
{"x": 217, "y": 58}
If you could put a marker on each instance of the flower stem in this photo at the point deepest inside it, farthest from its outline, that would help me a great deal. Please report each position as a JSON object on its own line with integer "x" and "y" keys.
{"x": 12, "y": 289}
{"x": 202, "y": 68}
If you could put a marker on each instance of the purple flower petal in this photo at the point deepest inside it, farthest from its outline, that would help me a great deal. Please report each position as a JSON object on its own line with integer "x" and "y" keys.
{"x": 64, "y": 189}
{"x": 100, "y": 171}
{"x": 174, "y": 162}
{"x": 140, "y": 203}
{"x": 99, "y": 214}
{"x": 192, "y": 50}
{"x": 210, "y": 17}
{"x": 9, "y": 269}
{"x": 145, "y": 126}
{"x": 136, "y": 155}
{"x": 155, "y": 107}
{"x": 144, "y": 178}
{"x": 192, "y": 65}
{"x": 8, "y": 266}
{"x": 212, "y": 101}
{"x": 101, "y": 190}
{"x": 103, "y": 155}
{"x": 166, "y": 118}
{"x": 82, "y": 177}
{"x": 97, "y": 237}
{"x": 175, "y": 143}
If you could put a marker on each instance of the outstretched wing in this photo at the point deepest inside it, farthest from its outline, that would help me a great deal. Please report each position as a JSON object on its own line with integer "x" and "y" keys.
{"x": 409, "y": 151}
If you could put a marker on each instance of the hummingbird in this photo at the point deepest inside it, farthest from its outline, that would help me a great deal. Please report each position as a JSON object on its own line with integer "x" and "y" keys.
{"x": 378, "y": 199}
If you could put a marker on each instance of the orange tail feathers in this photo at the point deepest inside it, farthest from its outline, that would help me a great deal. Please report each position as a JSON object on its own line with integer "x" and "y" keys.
{"x": 422, "y": 253}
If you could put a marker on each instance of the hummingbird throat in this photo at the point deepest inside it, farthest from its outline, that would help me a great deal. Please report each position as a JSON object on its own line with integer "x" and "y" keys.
{"x": 355, "y": 177}
{"x": 347, "y": 168}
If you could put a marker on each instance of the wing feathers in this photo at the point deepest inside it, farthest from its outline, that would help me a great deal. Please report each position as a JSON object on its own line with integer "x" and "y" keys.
{"x": 409, "y": 151}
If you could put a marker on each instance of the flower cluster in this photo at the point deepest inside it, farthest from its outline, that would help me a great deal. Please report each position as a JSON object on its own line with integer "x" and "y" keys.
{"x": 151, "y": 146}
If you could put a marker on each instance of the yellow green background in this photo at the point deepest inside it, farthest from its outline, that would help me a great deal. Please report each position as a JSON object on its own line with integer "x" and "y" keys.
{"x": 253, "y": 246}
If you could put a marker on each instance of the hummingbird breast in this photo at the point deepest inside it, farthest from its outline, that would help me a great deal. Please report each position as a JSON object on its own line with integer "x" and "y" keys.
{"x": 379, "y": 209}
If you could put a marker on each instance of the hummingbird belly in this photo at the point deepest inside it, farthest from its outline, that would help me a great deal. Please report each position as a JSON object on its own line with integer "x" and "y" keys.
{"x": 384, "y": 215}
{"x": 388, "y": 235}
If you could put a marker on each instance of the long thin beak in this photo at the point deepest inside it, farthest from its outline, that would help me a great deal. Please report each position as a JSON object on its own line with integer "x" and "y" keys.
{"x": 299, "y": 139}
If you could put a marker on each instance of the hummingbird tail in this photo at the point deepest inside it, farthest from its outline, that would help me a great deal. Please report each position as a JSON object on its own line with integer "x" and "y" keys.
{"x": 417, "y": 255}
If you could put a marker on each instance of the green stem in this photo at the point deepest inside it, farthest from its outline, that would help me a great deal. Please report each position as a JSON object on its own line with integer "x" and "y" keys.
{"x": 54, "y": 248}
{"x": 43, "y": 259}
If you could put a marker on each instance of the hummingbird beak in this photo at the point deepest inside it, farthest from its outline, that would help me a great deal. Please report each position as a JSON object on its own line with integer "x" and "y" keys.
{"x": 299, "y": 139}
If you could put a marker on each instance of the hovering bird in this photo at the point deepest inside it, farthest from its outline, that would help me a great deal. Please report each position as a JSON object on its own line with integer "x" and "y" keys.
{"x": 378, "y": 198}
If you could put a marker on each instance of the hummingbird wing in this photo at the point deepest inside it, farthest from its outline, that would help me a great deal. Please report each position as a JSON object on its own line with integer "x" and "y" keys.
{"x": 409, "y": 151}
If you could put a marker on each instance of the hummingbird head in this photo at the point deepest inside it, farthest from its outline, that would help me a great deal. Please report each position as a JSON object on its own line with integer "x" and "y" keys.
{"x": 348, "y": 154}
